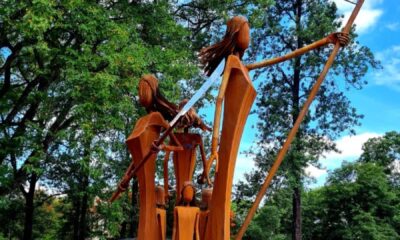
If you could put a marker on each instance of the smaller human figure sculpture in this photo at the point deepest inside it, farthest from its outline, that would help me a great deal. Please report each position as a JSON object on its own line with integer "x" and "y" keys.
{"x": 206, "y": 195}
{"x": 161, "y": 213}
{"x": 186, "y": 215}
{"x": 185, "y": 160}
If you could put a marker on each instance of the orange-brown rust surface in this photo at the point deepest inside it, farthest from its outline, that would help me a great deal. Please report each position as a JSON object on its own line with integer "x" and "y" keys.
{"x": 203, "y": 221}
{"x": 146, "y": 131}
{"x": 161, "y": 224}
{"x": 239, "y": 97}
{"x": 186, "y": 223}
{"x": 185, "y": 160}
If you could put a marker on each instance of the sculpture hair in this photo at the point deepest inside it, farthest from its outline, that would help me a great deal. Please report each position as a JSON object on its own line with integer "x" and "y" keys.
{"x": 211, "y": 56}
{"x": 151, "y": 98}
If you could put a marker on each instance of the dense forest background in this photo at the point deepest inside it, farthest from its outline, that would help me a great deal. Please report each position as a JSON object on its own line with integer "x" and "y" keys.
{"x": 68, "y": 100}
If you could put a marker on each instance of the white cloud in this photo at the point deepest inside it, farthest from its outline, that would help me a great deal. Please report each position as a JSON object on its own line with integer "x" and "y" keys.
{"x": 368, "y": 16}
{"x": 390, "y": 74}
{"x": 315, "y": 172}
{"x": 244, "y": 164}
{"x": 350, "y": 148}
{"x": 393, "y": 26}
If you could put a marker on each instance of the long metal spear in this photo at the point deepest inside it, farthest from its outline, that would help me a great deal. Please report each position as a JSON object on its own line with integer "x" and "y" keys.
{"x": 296, "y": 126}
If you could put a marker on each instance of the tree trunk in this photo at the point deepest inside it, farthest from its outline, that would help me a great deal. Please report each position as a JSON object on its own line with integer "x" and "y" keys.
{"x": 77, "y": 207}
{"x": 135, "y": 213}
{"x": 296, "y": 206}
{"x": 296, "y": 214}
{"x": 83, "y": 211}
{"x": 29, "y": 207}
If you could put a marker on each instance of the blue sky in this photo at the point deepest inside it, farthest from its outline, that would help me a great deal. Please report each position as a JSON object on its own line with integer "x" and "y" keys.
{"x": 378, "y": 26}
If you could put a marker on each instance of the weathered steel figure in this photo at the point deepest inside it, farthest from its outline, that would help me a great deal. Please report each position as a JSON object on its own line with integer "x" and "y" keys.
{"x": 238, "y": 94}
{"x": 146, "y": 131}
{"x": 161, "y": 214}
{"x": 206, "y": 195}
{"x": 186, "y": 215}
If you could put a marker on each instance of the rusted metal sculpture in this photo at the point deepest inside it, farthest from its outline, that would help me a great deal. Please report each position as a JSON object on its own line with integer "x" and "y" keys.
{"x": 186, "y": 215}
{"x": 152, "y": 214}
{"x": 184, "y": 160}
{"x": 139, "y": 143}
{"x": 238, "y": 94}
{"x": 339, "y": 40}
{"x": 152, "y": 100}
{"x": 206, "y": 195}
{"x": 161, "y": 214}
{"x": 214, "y": 218}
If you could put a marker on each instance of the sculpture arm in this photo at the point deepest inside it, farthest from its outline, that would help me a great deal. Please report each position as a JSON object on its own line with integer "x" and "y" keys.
{"x": 343, "y": 38}
{"x": 217, "y": 116}
{"x": 166, "y": 158}
{"x": 206, "y": 169}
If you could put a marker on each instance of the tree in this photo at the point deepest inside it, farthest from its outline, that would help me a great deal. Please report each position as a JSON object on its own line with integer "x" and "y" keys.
{"x": 68, "y": 98}
{"x": 68, "y": 82}
{"x": 357, "y": 203}
{"x": 290, "y": 25}
{"x": 384, "y": 151}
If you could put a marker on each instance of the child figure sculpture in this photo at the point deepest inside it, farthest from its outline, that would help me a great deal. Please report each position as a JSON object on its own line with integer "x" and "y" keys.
{"x": 186, "y": 215}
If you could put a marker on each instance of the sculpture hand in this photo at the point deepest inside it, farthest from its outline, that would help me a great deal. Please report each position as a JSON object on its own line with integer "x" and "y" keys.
{"x": 342, "y": 37}
{"x": 155, "y": 149}
{"x": 214, "y": 156}
{"x": 204, "y": 178}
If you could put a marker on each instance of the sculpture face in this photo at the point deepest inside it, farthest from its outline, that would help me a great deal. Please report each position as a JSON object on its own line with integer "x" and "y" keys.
{"x": 206, "y": 195}
{"x": 160, "y": 196}
{"x": 235, "y": 41}
{"x": 187, "y": 193}
{"x": 243, "y": 37}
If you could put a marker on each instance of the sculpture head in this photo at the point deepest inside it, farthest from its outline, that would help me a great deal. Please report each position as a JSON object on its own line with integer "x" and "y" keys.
{"x": 235, "y": 41}
{"x": 148, "y": 87}
{"x": 151, "y": 98}
{"x": 188, "y": 194}
{"x": 206, "y": 195}
{"x": 160, "y": 197}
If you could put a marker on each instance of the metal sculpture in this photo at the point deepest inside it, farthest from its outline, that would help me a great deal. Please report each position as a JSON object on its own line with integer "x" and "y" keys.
{"x": 206, "y": 195}
{"x": 186, "y": 215}
{"x": 236, "y": 95}
{"x": 139, "y": 143}
{"x": 161, "y": 214}
{"x": 339, "y": 41}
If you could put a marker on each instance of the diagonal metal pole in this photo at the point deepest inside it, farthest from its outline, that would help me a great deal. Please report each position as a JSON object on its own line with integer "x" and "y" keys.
{"x": 296, "y": 126}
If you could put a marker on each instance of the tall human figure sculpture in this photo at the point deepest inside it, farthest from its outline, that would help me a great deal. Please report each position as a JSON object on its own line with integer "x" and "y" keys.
{"x": 140, "y": 143}
{"x": 238, "y": 94}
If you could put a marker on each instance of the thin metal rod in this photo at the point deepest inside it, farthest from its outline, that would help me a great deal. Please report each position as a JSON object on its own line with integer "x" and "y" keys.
{"x": 132, "y": 169}
{"x": 351, "y": 2}
{"x": 296, "y": 53}
{"x": 296, "y": 126}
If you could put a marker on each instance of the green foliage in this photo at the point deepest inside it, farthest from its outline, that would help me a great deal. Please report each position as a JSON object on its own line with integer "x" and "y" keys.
{"x": 285, "y": 87}
{"x": 357, "y": 203}
{"x": 384, "y": 151}
{"x": 68, "y": 96}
